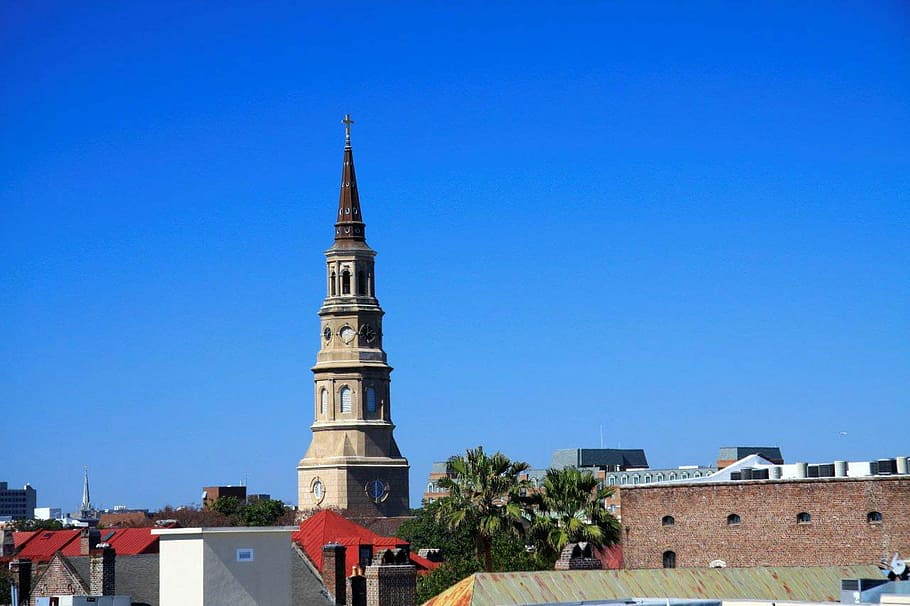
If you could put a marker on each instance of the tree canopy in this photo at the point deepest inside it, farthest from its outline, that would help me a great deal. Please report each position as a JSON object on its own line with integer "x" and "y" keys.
{"x": 485, "y": 495}
{"x": 570, "y": 509}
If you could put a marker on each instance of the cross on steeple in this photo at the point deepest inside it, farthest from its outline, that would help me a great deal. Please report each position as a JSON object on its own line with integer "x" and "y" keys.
{"x": 347, "y": 129}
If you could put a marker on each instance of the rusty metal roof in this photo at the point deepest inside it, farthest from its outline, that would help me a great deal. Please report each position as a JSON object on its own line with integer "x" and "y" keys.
{"x": 800, "y": 583}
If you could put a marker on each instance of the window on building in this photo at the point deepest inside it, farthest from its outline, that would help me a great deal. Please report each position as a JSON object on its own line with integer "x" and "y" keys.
{"x": 635, "y": 479}
{"x": 696, "y": 474}
{"x": 659, "y": 477}
{"x": 874, "y": 516}
{"x": 345, "y": 282}
{"x": 669, "y": 559}
{"x": 647, "y": 478}
{"x": 611, "y": 480}
{"x": 372, "y": 286}
{"x": 347, "y": 403}
{"x": 672, "y": 476}
{"x": 361, "y": 283}
{"x": 667, "y": 521}
{"x": 683, "y": 476}
{"x": 624, "y": 480}
{"x": 733, "y": 518}
{"x": 371, "y": 399}
{"x": 323, "y": 402}
{"x": 332, "y": 283}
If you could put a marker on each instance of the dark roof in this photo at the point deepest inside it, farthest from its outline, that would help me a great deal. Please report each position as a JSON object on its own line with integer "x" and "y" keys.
{"x": 306, "y": 586}
{"x": 599, "y": 457}
{"x": 735, "y": 453}
{"x": 134, "y": 575}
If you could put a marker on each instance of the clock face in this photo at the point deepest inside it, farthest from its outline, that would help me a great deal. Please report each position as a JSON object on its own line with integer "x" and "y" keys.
{"x": 377, "y": 490}
{"x": 318, "y": 490}
{"x": 368, "y": 334}
{"x": 348, "y": 334}
{"x": 327, "y": 333}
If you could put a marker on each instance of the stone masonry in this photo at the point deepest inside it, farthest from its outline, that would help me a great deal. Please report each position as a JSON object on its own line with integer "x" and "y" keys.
{"x": 759, "y": 523}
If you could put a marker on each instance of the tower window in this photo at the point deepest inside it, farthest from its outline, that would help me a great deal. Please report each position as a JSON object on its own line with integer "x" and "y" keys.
{"x": 361, "y": 283}
{"x": 346, "y": 399}
{"x": 323, "y": 402}
{"x": 803, "y": 518}
{"x": 667, "y": 521}
{"x": 873, "y": 517}
{"x": 372, "y": 286}
{"x": 669, "y": 559}
{"x": 346, "y": 282}
{"x": 332, "y": 284}
{"x": 371, "y": 399}
{"x": 733, "y": 519}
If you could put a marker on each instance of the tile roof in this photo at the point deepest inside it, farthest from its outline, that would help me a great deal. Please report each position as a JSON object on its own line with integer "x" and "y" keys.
{"x": 329, "y": 527}
{"x": 796, "y": 583}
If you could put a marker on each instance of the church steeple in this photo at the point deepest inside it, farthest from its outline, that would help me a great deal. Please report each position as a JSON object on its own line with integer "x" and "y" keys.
{"x": 349, "y": 226}
{"x": 353, "y": 463}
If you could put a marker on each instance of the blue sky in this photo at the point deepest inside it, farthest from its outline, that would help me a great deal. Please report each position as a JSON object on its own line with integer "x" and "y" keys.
{"x": 686, "y": 223}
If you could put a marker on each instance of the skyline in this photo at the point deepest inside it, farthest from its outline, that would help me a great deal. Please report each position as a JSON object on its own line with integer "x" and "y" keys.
{"x": 686, "y": 224}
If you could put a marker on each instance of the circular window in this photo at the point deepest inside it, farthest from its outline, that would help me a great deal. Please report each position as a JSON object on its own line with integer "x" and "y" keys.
{"x": 318, "y": 489}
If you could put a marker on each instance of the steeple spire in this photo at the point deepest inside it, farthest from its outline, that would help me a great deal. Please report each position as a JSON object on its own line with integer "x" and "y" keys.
{"x": 349, "y": 226}
{"x": 86, "y": 501}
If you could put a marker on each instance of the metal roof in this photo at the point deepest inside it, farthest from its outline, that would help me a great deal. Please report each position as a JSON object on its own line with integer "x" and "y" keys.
{"x": 802, "y": 583}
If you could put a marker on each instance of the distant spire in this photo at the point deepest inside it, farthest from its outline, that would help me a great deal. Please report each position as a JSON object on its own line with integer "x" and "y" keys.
{"x": 349, "y": 222}
{"x": 86, "y": 501}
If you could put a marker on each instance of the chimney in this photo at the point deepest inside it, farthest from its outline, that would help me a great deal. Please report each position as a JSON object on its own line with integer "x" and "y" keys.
{"x": 391, "y": 579}
{"x": 88, "y": 540}
{"x": 333, "y": 571}
{"x": 21, "y": 571}
{"x": 101, "y": 570}
{"x": 578, "y": 556}
{"x": 357, "y": 587}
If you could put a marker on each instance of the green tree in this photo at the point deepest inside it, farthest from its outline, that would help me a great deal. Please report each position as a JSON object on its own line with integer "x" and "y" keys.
{"x": 484, "y": 497}
{"x": 458, "y": 546}
{"x": 26, "y": 525}
{"x": 570, "y": 509}
{"x": 266, "y": 512}
{"x": 227, "y": 506}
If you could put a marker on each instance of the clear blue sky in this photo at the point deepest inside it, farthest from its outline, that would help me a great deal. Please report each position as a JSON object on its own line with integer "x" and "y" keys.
{"x": 686, "y": 222}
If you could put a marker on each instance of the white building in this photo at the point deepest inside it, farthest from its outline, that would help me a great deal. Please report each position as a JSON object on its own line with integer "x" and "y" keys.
{"x": 240, "y": 566}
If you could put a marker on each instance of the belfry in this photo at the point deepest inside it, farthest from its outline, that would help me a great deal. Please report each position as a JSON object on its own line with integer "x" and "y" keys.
{"x": 353, "y": 464}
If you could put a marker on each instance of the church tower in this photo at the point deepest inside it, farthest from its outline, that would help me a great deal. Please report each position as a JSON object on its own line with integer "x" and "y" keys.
{"x": 353, "y": 463}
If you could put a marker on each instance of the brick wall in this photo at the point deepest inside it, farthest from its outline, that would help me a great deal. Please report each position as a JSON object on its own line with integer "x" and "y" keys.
{"x": 391, "y": 585}
{"x": 333, "y": 576}
{"x": 59, "y": 578}
{"x": 768, "y": 533}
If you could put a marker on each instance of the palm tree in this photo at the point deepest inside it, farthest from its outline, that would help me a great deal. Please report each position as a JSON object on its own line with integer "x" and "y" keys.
{"x": 571, "y": 509}
{"x": 484, "y": 495}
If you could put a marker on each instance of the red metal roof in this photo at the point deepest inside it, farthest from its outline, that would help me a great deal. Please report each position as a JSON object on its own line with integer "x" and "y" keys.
{"x": 42, "y": 544}
{"x": 125, "y": 541}
{"x": 329, "y": 527}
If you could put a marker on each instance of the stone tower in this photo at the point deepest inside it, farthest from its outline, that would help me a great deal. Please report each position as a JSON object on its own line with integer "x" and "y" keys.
{"x": 353, "y": 463}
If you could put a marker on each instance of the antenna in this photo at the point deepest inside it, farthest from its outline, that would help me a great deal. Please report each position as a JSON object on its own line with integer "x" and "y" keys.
{"x": 601, "y": 435}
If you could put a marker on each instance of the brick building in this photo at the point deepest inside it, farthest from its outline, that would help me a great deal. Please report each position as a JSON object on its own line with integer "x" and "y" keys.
{"x": 821, "y": 521}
